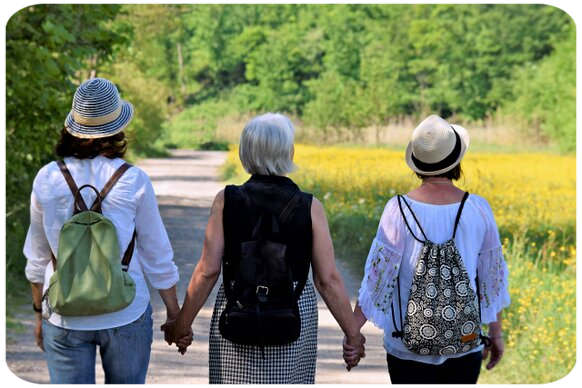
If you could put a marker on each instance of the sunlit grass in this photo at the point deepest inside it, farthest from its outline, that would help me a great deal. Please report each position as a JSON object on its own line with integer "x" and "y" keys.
{"x": 533, "y": 197}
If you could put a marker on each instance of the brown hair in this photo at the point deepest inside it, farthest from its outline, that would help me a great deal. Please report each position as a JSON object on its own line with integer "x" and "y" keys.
{"x": 453, "y": 174}
{"x": 112, "y": 146}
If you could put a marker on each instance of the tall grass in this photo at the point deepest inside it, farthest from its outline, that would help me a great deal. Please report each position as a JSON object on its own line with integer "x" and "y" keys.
{"x": 533, "y": 196}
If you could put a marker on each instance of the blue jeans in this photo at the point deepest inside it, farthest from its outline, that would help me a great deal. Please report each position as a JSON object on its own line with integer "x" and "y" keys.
{"x": 125, "y": 352}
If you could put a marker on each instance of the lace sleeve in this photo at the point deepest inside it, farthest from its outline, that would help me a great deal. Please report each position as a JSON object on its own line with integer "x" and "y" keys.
{"x": 491, "y": 269}
{"x": 493, "y": 284}
{"x": 377, "y": 288}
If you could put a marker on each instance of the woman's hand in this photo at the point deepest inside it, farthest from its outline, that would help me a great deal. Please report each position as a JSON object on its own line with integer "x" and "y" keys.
{"x": 354, "y": 350}
{"x": 38, "y": 332}
{"x": 182, "y": 341}
{"x": 494, "y": 352}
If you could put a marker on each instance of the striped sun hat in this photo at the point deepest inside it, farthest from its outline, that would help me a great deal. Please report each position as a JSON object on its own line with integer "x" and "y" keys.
{"x": 98, "y": 110}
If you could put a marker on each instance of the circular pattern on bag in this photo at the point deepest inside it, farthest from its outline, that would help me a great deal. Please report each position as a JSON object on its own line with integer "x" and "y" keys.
{"x": 448, "y": 334}
{"x": 445, "y": 272}
{"x": 461, "y": 288}
{"x": 428, "y": 331}
{"x": 428, "y": 313}
{"x": 449, "y": 313}
{"x": 456, "y": 271}
{"x": 468, "y": 328}
{"x": 433, "y": 252}
{"x": 467, "y": 310}
{"x": 431, "y": 291}
{"x": 447, "y": 292}
{"x": 407, "y": 329}
{"x": 466, "y": 348}
{"x": 424, "y": 351}
{"x": 420, "y": 268}
{"x": 411, "y": 309}
{"x": 448, "y": 350}
{"x": 432, "y": 271}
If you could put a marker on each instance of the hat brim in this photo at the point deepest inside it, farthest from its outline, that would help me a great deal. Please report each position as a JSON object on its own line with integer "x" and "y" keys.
{"x": 98, "y": 131}
{"x": 463, "y": 135}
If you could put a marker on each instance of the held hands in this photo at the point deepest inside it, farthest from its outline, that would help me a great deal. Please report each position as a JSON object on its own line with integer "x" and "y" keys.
{"x": 181, "y": 340}
{"x": 354, "y": 350}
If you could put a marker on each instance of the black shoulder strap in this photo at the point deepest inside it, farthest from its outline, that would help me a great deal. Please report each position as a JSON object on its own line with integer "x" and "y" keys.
{"x": 288, "y": 209}
{"x": 250, "y": 205}
{"x": 458, "y": 218}
{"x": 400, "y": 199}
{"x": 283, "y": 216}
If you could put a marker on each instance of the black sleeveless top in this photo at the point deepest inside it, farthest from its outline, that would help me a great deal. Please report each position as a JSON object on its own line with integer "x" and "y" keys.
{"x": 269, "y": 193}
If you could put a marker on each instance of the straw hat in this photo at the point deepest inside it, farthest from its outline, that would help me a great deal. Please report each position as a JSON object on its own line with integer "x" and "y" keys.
{"x": 436, "y": 146}
{"x": 98, "y": 110}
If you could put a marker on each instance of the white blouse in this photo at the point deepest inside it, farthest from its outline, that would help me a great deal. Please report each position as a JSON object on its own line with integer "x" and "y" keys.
{"x": 395, "y": 251}
{"x": 130, "y": 204}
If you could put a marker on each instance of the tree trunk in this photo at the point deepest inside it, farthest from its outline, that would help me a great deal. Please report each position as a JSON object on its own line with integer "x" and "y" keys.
{"x": 181, "y": 69}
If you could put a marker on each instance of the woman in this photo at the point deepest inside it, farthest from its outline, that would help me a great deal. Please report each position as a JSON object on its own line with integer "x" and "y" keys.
{"x": 431, "y": 214}
{"x": 92, "y": 145}
{"x": 266, "y": 152}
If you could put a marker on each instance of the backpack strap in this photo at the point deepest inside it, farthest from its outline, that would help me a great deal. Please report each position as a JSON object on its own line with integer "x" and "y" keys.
{"x": 72, "y": 185}
{"x": 109, "y": 185}
{"x": 288, "y": 209}
{"x": 97, "y": 207}
{"x": 400, "y": 199}
{"x": 458, "y": 218}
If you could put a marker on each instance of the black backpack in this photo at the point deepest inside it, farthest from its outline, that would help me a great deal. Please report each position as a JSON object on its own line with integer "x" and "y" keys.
{"x": 443, "y": 315}
{"x": 262, "y": 306}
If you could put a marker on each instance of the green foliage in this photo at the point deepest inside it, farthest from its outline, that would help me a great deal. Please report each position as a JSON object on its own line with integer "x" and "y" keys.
{"x": 546, "y": 94}
{"x": 49, "y": 50}
{"x": 345, "y": 67}
{"x": 149, "y": 98}
{"x": 195, "y": 127}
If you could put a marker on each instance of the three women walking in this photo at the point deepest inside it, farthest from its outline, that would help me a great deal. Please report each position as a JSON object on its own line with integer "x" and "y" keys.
{"x": 271, "y": 243}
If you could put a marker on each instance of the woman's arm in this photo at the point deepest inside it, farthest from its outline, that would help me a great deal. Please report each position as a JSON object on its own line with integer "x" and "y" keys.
{"x": 205, "y": 274}
{"x": 328, "y": 280}
{"x": 497, "y": 345}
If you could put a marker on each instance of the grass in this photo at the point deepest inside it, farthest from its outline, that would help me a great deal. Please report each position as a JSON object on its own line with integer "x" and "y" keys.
{"x": 533, "y": 195}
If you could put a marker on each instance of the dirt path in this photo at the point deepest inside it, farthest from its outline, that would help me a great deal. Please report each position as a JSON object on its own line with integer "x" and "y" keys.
{"x": 185, "y": 185}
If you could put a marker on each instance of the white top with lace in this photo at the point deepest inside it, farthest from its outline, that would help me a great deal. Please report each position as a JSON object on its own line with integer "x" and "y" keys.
{"x": 395, "y": 251}
{"x": 130, "y": 204}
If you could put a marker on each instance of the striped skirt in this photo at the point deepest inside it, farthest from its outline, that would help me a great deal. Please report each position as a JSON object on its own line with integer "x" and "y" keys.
{"x": 293, "y": 363}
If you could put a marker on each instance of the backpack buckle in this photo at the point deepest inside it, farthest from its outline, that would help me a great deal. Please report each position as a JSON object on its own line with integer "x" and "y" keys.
{"x": 262, "y": 293}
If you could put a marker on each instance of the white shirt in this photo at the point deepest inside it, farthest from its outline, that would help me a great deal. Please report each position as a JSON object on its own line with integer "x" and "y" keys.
{"x": 130, "y": 204}
{"x": 395, "y": 252}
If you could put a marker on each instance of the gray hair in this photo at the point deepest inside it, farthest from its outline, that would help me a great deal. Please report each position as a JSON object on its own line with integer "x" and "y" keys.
{"x": 266, "y": 145}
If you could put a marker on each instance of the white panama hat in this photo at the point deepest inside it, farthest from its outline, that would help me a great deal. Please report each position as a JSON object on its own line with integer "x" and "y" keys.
{"x": 436, "y": 146}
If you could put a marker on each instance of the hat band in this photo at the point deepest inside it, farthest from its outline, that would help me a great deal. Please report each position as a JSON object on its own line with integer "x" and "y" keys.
{"x": 446, "y": 162}
{"x": 94, "y": 121}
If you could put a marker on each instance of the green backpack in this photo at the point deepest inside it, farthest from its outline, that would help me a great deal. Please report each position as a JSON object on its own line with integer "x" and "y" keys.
{"x": 89, "y": 278}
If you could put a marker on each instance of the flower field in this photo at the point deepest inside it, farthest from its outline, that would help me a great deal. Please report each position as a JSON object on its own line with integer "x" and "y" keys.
{"x": 533, "y": 197}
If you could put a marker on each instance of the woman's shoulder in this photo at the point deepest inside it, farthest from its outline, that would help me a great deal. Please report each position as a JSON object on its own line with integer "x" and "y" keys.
{"x": 479, "y": 201}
